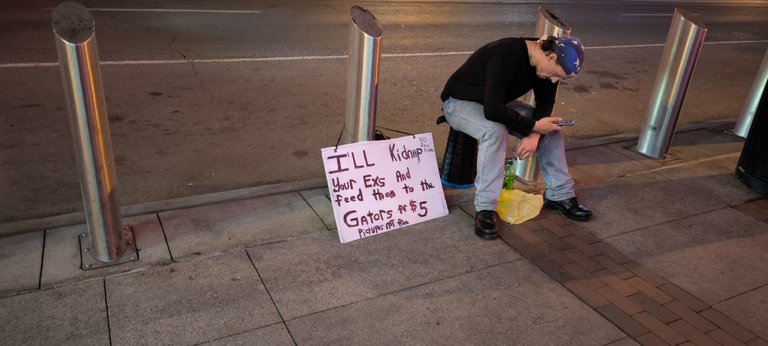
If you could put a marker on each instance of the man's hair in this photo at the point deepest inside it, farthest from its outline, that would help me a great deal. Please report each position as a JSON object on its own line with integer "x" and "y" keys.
{"x": 549, "y": 44}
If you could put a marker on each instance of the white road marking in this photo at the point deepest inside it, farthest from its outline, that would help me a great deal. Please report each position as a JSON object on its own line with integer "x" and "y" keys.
{"x": 223, "y": 60}
{"x": 407, "y": 55}
{"x": 323, "y": 57}
{"x": 652, "y": 14}
{"x": 168, "y": 10}
{"x": 630, "y": 46}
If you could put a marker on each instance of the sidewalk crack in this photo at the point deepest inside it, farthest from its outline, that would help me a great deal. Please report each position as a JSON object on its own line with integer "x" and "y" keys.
{"x": 106, "y": 309}
{"x": 42, "y": 262}
{"x": 738, "y": 295}
{"x": 165, "y": 237}
{"x": 408, "y": 288}
{"x": 664, "y": 223}
{"x": 270, "y": 296}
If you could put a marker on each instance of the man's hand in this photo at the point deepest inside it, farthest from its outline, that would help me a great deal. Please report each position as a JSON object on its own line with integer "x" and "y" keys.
{"x": 527, "y": 146}
{"x": 547, "y": 125}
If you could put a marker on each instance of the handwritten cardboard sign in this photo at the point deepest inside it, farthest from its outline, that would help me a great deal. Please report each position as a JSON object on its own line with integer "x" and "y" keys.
{"x": 379, "y": 186}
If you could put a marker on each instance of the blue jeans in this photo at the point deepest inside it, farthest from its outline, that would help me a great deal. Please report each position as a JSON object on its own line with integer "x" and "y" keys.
{"x": 468, "y": 117}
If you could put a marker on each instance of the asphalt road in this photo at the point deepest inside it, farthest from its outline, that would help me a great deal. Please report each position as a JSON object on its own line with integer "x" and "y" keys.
{"x": 207, "y": 96}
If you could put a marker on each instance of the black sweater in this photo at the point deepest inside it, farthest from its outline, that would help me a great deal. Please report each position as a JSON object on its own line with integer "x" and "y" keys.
{"x": 499, "y": 73}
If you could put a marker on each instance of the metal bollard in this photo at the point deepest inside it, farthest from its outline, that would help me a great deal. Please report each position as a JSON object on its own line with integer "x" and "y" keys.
{"x": 74, "y": 28}
{"x": 750, "y": 106}
{"x": 547, "y": 23}
{"x": 686, "y": 35}
{"x": 752, "y": 168}
{"x": 363, "y": 75}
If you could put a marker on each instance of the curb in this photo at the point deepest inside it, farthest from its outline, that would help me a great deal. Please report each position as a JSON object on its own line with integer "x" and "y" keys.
{"x": 454, "y": 197}
{"x": 30, "y": 225}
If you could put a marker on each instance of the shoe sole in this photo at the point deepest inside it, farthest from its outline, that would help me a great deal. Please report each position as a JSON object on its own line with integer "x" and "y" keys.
{"x": 485, "y": 236}
{"x": 575, "y": 218}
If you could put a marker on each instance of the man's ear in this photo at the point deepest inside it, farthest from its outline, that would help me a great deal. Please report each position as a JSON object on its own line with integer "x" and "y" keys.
{"x": 550, "y": 55}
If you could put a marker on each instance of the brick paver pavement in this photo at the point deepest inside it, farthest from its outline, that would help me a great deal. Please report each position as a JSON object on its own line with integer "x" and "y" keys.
{"x": 641, "y": 303}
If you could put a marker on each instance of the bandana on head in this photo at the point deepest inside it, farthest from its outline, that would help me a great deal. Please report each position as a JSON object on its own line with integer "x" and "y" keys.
{"x": 570, "y": 54}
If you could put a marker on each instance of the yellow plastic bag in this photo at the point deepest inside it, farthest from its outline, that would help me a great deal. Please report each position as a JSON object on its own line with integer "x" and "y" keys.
{"x": 516, "y": 206}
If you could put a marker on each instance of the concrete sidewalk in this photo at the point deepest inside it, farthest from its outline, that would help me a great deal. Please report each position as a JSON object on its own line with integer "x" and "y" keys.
{"x": 675, "y": 254}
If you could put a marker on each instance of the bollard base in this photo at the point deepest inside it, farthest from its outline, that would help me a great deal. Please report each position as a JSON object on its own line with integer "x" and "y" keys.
{"x": 666, "y": 158}
{"x": 755, "y": 183}
{"x": 88, "y": 262}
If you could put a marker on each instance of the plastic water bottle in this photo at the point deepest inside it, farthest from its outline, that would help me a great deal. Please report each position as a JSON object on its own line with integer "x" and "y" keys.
{"x": 509, "y": 176}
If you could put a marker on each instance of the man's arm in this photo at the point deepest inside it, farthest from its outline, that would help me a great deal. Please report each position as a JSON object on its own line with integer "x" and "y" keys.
{"x": 498, "y": 75}
{"x": 545, "y": 93}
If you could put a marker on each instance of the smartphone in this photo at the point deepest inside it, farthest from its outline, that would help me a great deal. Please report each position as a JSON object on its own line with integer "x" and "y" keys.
{"x": 566, "y": 123}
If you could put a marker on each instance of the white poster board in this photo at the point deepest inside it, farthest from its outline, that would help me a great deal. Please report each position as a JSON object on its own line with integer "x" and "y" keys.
{"x": 380, "y": 186}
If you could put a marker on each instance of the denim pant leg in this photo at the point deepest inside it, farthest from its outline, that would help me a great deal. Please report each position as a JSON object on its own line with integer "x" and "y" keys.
{"x": 554, "y": 167}
{"x": 468, "y": 117}
{"x": 552, "y": 161}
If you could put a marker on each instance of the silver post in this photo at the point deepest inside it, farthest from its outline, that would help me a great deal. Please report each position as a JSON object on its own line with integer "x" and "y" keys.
{"x": 686, "y": 35}
{"x": 750, "y": 106}
{"x": 73, "y": 27}
{"x": 363, "y": 75}
{"x": 547, "y": 24}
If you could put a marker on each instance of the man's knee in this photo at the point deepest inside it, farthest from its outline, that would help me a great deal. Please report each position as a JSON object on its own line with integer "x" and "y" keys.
{"x": 554, "y": 137}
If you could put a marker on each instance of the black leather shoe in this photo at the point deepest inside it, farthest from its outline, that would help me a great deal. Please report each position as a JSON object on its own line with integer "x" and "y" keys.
{"x": 485, "y": 224}
{"x": 570, "y": 208}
